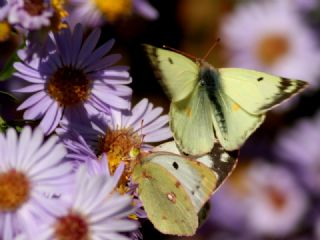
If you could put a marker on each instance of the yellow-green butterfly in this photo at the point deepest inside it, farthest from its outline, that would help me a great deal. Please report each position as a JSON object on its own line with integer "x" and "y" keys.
{"x": 229, "y": 103}
{"x": 173, "y": 188}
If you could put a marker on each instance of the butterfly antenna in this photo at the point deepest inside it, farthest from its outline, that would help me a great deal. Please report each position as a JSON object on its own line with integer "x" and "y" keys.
{"x": 181, "y": 52}
{"x": 216, "y": 42}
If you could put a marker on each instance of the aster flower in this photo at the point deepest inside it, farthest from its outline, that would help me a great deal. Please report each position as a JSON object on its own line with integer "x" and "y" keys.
{"x": 275, "y": 40}
{"x": 30, "y": 170}
{"x": 264, "y": 199}
{"x": 119, "y": 136}
{"x": 94, "y": 13}
{"x": 73, "y": 81}
{"x": 35, "y": 14}
{"x": 277, "y": 203}
{"x": 95, "y": 211}
{"x": 299, "y": 147}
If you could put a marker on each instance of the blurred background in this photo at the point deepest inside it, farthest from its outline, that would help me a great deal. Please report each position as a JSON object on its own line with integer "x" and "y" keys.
{"x": 274, "y": 192}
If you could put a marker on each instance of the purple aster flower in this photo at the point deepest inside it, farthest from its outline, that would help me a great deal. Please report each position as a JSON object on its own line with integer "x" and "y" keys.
{"x": 30, "y": 14}
{"x": 263, "y": 199}
{"x": 277, "y": 202}
{"x": 299, "y": 147}
{"x": 120, "y": 136}
{"x": 74, "y": 80}
{"x": 275, "y": 40}
{"x": 95, "y": 211}
{"x": 94, "y": 13}
{"x": 30, "y": 170}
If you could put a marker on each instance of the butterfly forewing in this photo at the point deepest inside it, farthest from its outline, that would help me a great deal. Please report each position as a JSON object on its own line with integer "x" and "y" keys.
{"x": 177, "y": 74}
{"x": 257, "y": 92}
{"x": 191, "y": 123}
{"x": 166, "y": 202}
{"x": 198, "y": 180}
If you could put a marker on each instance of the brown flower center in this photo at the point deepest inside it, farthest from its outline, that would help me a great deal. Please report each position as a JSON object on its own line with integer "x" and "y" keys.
{"x": 72, "y": 227}
{"x": 277, "y": 198}
{"x": 69, "y": 86}
{"x": 14, "y": 190}
{"x": 272, "y": 48}
{"x": 34, "y": 7}
{"x": 114, "y": 10}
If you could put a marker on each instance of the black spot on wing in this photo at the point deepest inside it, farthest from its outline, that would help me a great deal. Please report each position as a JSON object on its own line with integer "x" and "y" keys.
{"x": 170, "y": 60}
{"x": 287, "y": 88}
{"x": 260, "y": 79}
{"x": 175, "y": 165}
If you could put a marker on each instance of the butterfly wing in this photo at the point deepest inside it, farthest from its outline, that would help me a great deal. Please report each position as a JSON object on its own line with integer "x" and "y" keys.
{"x": 232, "y": 124}
{"x": 166, "y": 203}
{"x": 221, "y": 162}
{"x": 177, "y": 73}
{"x": 195, "y": 178}
{"x": 257, "y": 92}
{"x": 191, "y": 123}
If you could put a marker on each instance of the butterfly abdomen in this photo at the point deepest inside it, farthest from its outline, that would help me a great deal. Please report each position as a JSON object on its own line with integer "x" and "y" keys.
{"x": 210, "y": 83}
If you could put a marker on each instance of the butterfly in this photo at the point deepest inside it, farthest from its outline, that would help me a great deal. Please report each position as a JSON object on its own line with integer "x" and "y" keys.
{"x": 207, "y": 103}
{"x": 173, "y": 188}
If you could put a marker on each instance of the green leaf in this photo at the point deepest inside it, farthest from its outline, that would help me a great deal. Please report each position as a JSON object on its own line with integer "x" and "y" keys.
{"x": 9, "y": 96}
{"x": 8, "y": 68}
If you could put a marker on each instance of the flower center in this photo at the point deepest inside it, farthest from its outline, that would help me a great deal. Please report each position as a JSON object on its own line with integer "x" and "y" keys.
{"x": 14, "y": 190}
{"x": 5, "y": 31}
{"x": 68, "y": 86}
{"x": 72, "y": 227}
{"x": 114, "y": 10}
{"x": 121, "y": 145}
{"x": 271, "y": 48}
{"x": 34, "y": 7}
{"x": 58, "y": 14}
{"x": 277, "y": 198}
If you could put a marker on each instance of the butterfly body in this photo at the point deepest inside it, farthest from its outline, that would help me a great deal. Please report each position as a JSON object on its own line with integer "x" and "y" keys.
{"x": 207, "y": 103}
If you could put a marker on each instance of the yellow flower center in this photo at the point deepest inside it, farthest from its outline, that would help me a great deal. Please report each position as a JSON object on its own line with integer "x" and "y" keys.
{"x": 5, "y": 31}
{"x": 272, "y": 48}
{"x": 14, "y": 190}
{"x": 121, "y": 145}
{"x": 114, "y": 10}
{"x": 59, "y": 14}
{"x": 72, "y": 227}
{"x": 69, "y": 86}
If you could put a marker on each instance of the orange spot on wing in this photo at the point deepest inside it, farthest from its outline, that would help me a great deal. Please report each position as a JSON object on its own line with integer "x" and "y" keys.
{"x": 189, "y": 112}
{"x": 235, "y": 107}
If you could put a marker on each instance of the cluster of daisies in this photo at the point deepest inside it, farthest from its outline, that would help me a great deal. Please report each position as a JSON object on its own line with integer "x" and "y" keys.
{"x": 69, "y": 177}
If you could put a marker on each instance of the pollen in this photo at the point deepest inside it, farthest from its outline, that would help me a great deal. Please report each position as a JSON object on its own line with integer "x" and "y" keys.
{"x": 114, "y": 10}
{"x": 5, "y": 31}
{"x": 14, "y": 190}
{"x": 72, "y": 227}
{"x": 35, "y": 7}
{"x": 271, "y": 48}
{"x": 121, "y": 145}
{"x": 59, "y": 14}
{"x": 69, "y": 86}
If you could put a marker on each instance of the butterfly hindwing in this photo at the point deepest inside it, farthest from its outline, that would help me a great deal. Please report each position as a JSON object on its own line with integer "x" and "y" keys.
{"x": 169, "y": 65}
{"x": 165, "y": 201}
{"x": 191, "y": 123}
{"x": 257, "y": 92}
{"x": 232, "y": 124}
